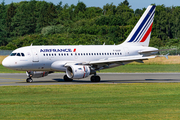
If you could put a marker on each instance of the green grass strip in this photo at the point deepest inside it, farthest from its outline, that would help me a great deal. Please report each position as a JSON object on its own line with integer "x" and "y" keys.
{"x": 143, "y": 68}
{"x": 137, "y": 101}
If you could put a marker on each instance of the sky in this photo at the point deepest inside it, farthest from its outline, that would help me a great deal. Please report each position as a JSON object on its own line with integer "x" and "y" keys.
{"x": 135, "y": 4}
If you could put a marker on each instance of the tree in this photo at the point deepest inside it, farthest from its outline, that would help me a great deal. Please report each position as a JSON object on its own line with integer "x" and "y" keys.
{"x": 10, "y": 14}
{"x": 24, "y": 21}
{"x": 109, "y": 9}
{"x": 3, "y": 33}
{"x": 42, "y": 15}
{"x": 81, "y": 7}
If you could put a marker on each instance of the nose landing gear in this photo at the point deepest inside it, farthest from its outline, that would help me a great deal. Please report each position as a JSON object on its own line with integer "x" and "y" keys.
{"x": 29, "y": 80}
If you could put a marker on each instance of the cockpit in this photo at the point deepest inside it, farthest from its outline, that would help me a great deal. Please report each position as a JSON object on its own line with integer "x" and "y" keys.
{"x": 17, "y": 54}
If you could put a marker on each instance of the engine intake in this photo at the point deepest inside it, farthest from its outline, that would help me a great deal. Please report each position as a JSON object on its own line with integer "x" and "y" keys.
{"x": 78, "y": 71}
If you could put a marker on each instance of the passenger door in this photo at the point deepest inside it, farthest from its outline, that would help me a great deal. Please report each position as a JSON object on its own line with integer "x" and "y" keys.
{"x": 35, "y": 55}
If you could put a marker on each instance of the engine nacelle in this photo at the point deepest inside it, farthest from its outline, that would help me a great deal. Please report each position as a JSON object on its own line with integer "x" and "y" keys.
{"x": 78, "y": 71}
{"x": 37, "y": 74}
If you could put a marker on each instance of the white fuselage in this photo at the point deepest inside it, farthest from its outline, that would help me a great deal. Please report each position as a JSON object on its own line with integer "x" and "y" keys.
{"x": 44, "y": 58}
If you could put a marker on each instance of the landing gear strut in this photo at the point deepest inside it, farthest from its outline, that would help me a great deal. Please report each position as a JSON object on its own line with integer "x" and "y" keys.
{"x": 29, "y": 80}
{"x": 67, "y": 79}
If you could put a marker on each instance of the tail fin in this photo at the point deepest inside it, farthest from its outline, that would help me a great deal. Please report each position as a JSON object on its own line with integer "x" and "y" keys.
{"x": 141, "y": 33}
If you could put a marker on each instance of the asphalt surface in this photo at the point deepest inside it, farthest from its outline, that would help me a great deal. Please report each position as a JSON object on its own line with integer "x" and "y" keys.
{"x": 19, "y": 79}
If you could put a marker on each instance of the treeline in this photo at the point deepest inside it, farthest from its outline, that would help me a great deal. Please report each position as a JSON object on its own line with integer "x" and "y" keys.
{"x": 43, "y": 23}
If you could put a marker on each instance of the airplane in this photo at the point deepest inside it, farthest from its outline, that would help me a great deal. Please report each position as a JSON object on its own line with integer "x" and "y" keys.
{"x": 80, "y": 61}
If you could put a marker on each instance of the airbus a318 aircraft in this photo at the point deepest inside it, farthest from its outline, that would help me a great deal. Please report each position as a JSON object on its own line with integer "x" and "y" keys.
{"x": 80, "y": 61}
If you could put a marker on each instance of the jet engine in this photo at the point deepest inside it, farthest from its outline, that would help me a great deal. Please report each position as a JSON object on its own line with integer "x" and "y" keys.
{"x": 78, "y": 71}
{"x": 37, "y": 74}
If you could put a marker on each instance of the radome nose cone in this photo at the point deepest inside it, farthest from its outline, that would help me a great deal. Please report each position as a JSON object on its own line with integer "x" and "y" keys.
{"x": 5, "y": 63}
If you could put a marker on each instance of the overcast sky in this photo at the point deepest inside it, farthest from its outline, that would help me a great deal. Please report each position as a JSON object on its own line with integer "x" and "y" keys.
{"x": 99, "y": 3}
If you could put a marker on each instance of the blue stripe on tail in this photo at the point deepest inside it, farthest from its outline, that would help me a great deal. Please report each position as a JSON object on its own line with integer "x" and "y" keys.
{"x": 142, "y": 24}
{"x": 150, "y": 20}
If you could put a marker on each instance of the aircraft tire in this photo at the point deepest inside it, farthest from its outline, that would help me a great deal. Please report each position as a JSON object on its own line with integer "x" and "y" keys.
{"x": 67, "y": 79}
{"x": 29, "y": 80}
{"x": 95, "y": 79}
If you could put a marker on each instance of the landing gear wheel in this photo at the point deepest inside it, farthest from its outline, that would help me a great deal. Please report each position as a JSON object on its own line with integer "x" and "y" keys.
{"x": 67, "y": 79}
{"x": 29, "y": 80}
{"x": 95, "y": 79}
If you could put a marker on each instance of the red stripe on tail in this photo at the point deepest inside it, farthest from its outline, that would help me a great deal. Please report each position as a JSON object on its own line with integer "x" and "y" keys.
{"x": 147, "y": 34}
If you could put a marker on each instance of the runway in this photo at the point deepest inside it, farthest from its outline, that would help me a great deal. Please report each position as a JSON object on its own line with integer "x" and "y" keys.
{"x": 19, "y": 79}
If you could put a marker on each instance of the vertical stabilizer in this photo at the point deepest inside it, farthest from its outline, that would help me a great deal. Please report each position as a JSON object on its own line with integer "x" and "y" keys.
{"x": 141, "y": 33}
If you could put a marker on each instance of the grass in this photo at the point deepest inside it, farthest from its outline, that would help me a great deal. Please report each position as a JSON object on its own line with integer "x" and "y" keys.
{"x": 1, "y": 58}
{"x": 5, "y": 70}
{"x": 91, "y": 102}
{"x": 144, "y": 68}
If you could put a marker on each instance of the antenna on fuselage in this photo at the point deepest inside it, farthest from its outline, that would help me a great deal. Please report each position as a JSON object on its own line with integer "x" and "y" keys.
{"x": 104, "y": 43}
{"x": 31, "y": 44}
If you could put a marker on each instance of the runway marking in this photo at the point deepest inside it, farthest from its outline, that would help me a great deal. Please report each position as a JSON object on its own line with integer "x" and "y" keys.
{"x": 10, "y": 78}
{"x": 2, "y": 83}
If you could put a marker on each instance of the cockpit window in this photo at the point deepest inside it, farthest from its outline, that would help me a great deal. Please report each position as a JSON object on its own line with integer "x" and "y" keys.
{"x": 22, "y": 54}
{"x": 13, "y": 54}
{"x": 17, "y": 54}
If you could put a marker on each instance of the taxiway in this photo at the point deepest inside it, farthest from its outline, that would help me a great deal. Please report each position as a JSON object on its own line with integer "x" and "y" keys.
{"x": 19, "y": 79}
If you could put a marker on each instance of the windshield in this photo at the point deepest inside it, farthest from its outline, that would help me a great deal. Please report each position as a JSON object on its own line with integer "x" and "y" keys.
{"x": 13, "y": 54}
{"x": 17, "y": 54}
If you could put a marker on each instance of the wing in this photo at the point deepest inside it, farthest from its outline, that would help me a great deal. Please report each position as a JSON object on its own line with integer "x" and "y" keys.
{"x": 120, "y": 59}
{"x": 113, "y": 62}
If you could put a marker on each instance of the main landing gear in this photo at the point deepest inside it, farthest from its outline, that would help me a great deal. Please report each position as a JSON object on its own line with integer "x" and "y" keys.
{"x": 95, "y": 78}
{"x": 67, "y": 79}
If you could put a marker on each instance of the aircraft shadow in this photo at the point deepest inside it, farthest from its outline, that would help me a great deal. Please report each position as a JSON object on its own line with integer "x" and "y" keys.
{"x": 162, "y": 79}
{"x": 106, "y": 81}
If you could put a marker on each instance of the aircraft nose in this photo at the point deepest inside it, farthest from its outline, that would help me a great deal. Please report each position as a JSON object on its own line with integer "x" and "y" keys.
{"x": 5, "y": 62}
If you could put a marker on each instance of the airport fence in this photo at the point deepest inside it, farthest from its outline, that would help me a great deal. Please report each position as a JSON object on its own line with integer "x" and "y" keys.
{"x": 170, "y": 50}
{"x": 5, "y": 52}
